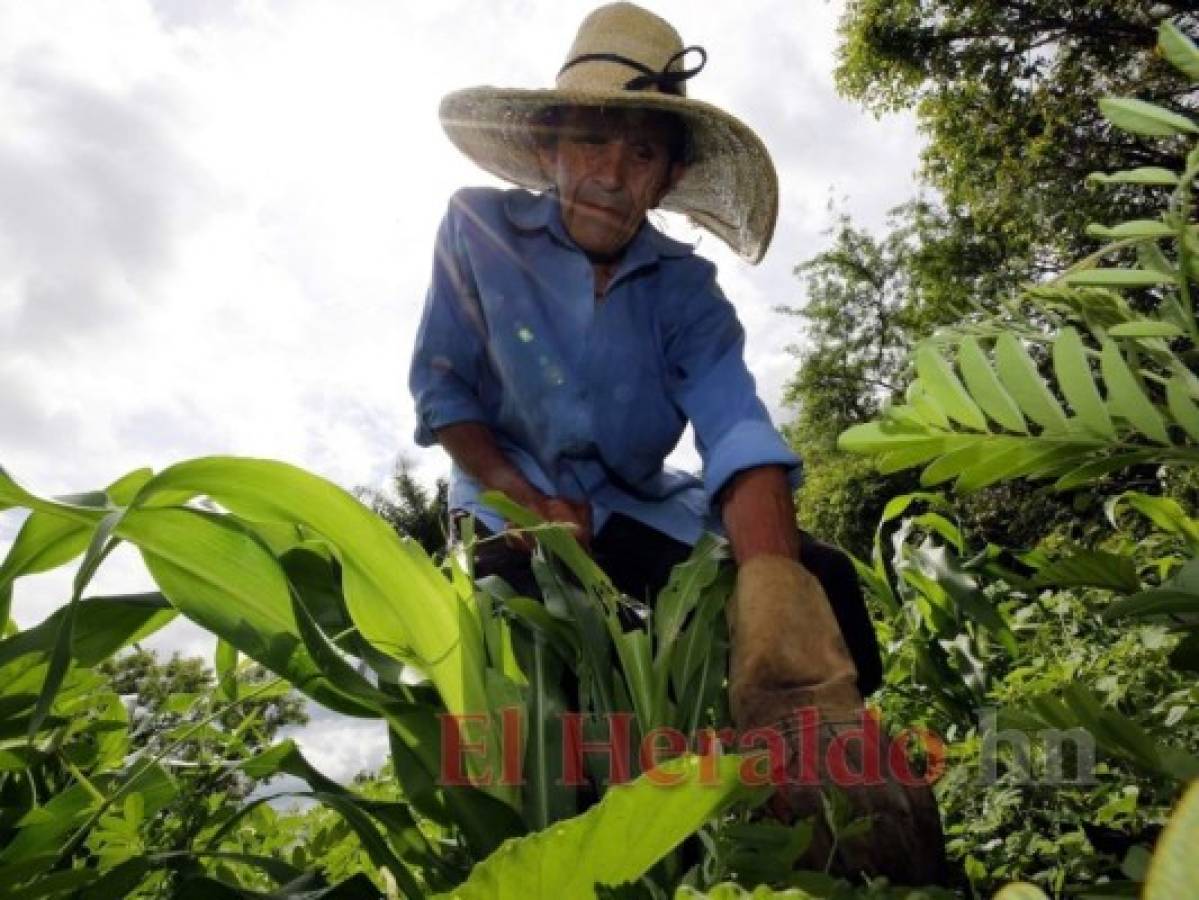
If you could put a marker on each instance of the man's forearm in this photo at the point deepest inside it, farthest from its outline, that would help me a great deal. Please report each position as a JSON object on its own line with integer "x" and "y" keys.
{"x": 473, "y": 446}
{"x": 759, "y": 514}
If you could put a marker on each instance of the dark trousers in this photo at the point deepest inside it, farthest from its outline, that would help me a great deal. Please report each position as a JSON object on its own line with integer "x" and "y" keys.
{"x": 639, "y": 558}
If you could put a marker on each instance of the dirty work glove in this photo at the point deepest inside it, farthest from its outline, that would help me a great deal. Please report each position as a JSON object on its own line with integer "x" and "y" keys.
{"x": 788, "y": 653}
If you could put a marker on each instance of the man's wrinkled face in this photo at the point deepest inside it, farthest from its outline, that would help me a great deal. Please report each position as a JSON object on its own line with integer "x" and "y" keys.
{"x": 610, "y": 167}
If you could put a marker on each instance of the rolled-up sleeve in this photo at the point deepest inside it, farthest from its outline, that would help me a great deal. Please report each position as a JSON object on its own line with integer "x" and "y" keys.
{"x": 710, "y": 383}
{"x": 449, "y": 352}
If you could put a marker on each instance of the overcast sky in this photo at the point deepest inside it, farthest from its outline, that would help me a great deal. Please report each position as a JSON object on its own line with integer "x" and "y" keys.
{"x": 216, "y": 224}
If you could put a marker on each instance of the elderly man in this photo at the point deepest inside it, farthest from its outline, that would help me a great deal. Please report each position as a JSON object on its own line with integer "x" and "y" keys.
{"x": 566, "y": 343}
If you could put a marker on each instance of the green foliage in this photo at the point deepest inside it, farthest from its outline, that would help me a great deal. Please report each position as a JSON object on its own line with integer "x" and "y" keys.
{"x": 1087, "y": 375}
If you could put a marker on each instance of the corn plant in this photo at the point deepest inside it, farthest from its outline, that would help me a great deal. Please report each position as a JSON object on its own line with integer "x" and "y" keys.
{"x": 295, "y": 574}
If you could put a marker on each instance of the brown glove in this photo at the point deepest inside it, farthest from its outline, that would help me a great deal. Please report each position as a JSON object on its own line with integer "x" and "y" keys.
{"x": 788, "y": 653}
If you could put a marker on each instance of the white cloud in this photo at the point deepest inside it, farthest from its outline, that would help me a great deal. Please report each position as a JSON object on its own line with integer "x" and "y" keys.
{"x": 216, "y": 219}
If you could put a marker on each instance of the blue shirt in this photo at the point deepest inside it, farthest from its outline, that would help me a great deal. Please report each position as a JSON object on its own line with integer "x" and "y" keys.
{"x": 587, "y": 397}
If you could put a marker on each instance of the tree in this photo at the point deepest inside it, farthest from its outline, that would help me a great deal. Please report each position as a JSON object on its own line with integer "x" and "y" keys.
{"x": 858, "y": 317}
{"x": 1006, "y": 92}
{"x": 410, "y": 509}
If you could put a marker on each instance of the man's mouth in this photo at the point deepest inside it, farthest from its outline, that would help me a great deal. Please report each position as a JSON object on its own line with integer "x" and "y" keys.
{"x": 602, "y": 211}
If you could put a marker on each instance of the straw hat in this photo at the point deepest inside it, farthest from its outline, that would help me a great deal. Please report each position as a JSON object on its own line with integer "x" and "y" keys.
{"x": 625, "y": 56}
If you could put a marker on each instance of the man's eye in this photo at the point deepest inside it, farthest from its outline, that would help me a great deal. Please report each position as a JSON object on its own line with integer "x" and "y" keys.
{"x": 587, "y": 137}
{"x": 644, "y": 152}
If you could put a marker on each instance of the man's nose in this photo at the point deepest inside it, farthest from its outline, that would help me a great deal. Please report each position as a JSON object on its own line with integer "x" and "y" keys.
{"x": 612, "y": 163}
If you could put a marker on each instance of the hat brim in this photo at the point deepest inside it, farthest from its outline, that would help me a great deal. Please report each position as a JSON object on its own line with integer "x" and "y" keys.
{"x": 730, "y": 188}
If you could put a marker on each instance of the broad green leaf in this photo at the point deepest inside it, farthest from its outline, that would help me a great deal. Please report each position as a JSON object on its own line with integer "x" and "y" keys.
{"x": 1146, "y": 228}
{"x": 1172, "y": 871}
{"x": 103, "y": 625}
{"x": 1182, "y": 408}
{"x": 545, "y": 795}
{"x": 1146, "y": 328}
{"x": 877, "y": 437}
{"x": 1090, "y": 472}
{"x": 1165, "y": 513}
{"x": 400, "y": 601}
{"x": 941, "y": 382}
{"x": 1143, "y": 175}
{"x": 1020, "y": 377}
{"x": 1077, "y": 384}
{"x": 899, "y": 505}
{"x": 101, "y": 543}
{"x": 986, "y": 389}
{"x": 225, "y": 663}
{"x": 614, "y": 842}
{"x": 417, "y": 756}
{"x": 686, "y": 583}
{"x": 1159, "y": 602}
{"x": 636, "y": 663}
{"x": 1148, "y": 119}
{"x": 1021, "y": 890}
{"x": 1125, "y": 397}
{"x": 1026, "y": 458}
{"x": 557, "y": 539}
{"x": 957, "y": 461}
{"x": 910, "y": 455}
{"x": 1090, "y": 568}
{"x": 926, "y": 407}
{"x": 1179, "y": 50}
{"x": 48, "y": 540}
{"x": 1117, "y": 278}
{"x": 225, "y": 580}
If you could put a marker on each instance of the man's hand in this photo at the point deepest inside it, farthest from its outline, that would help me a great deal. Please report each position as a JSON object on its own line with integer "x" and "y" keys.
{"x": 473, "y": 447}
{"x": 573, "y": 513}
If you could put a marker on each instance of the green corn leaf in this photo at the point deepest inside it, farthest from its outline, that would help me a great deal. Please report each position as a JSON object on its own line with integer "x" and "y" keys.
{"x": 1117, "y": 278}
{"x": 1020, "y": 377}
{"x": 1180, "y": 51}
{"x": 224, "y": 580}
{"x": 563, "y": 545}
{"x": 1125, "y": 397}
{"x": 614, "y": 842}
{"x": 103, "y": 625}
{"x": 1182, "y": 408}
{"x": 1146, "y": 328}
{"x": 1152, "y": 175}
{"x": 986, "y": 389}
{"x": 48, "y": 540}
{"x": 101, "y": 544}
{"x": 1143, "y": 118}
{"x": 545, "y": 795}
{"x": 1077, "y": 384}
{"x": 417, "y": 756}
{"x": 225, "y": 661}
{"x": 1136, "y": 228}
{"x": 400, "y": 602}
{"x": 941, "y": 382}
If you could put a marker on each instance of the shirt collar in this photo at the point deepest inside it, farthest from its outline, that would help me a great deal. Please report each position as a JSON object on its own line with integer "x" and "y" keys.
{"x": 536, "y": 212}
